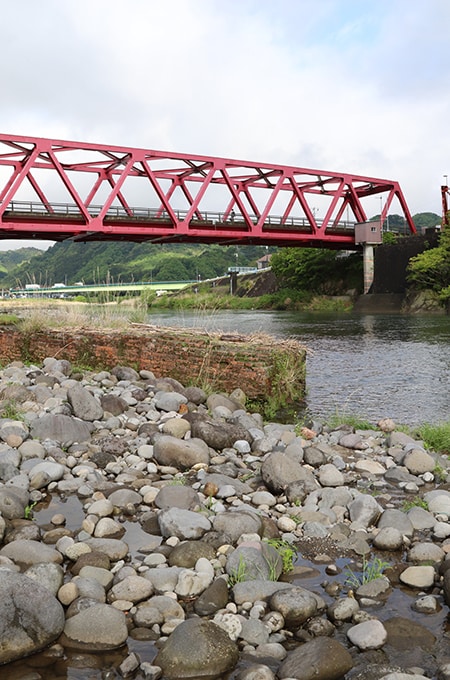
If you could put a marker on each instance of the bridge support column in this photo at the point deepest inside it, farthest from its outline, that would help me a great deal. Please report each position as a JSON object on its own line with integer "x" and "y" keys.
{"x": 233, "y": 282}
{"x": 368, "y": 266}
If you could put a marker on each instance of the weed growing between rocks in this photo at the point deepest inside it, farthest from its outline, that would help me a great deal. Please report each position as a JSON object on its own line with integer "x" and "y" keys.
{"x": 287, "y": 553}
{"x": 416, "y": 502}
{"x": 371, "y": 570}
{"x": 440, "y": 473}
{"x": 239, "y": 574}
{"x": 350, "y": 419}
{"x": 28, "y": 512}
{"x": 11, "y": 410}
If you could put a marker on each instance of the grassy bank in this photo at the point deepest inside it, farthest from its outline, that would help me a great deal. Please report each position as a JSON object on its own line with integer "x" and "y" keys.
{"x": 204, "y": 297}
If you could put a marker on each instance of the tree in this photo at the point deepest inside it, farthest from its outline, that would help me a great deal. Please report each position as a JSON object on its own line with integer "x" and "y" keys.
{"x": 172, "y": 269}
{"x": 431, "y": 269}
{"x": 324, "y": 271}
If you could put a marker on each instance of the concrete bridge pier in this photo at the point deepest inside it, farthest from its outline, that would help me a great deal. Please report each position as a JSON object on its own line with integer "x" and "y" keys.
{"x": 368, "y": 234}
{"x": 368, "y": 266}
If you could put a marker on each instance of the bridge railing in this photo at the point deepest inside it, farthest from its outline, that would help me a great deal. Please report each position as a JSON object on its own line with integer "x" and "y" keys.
{"x": 98, "y": 287}
{"x": 212, "y": 218}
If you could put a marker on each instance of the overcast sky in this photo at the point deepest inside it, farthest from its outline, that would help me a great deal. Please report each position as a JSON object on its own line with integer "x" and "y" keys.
{"x": 341, "y": 85}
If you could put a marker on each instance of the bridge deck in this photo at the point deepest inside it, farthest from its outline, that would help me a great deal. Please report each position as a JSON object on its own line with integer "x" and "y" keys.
{"x": 63, "y": 221}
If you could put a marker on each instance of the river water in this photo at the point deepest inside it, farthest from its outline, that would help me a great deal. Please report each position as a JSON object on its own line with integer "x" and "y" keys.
{"x": 366, "y": 365}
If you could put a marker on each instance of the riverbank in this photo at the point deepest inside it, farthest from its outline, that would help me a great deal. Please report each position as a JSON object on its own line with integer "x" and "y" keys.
{"x": 152, "y": 519}
{"x": 348, "y": 360}
{"x": 257, "y": 291}
{"x": 261, "y": 291}
{"x": 274, "y": 369}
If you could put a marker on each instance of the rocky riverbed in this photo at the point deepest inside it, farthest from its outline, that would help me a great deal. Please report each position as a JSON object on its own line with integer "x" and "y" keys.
{"x": 151, "y": 531}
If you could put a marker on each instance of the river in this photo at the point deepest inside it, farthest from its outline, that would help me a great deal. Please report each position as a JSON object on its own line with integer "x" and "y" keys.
{"x": 366, "y": 365}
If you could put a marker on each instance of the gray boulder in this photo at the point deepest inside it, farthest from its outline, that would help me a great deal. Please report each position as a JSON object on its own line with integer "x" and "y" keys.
{"x": 212, "y": 599}
{"x": 16, "y": 393}
{"x": 177, "y": 496}
{"x": 253, "y": 591}
{"x": 125, "y": 498}
{"x": 368, "y": 635}
{"x": 113, "y": 404}
{"x": 215, "y": 654}
{"x": 50, "y": 576}
{"x": 97, "y": 628}
{"x": 13, "y": 502}
{"x": 195, "y": 394}
{"x": 187, "y": 553}
{"x": 234, "y": 524}
{"x": 278, "y": 470}
{"x": 113, "y": 548}
{"x": 425, "y": 552}
{"x": 169, "y": 401}
{"x": 125, "y": 373}
{"x": 216, "y": 433}
{"x": 28, "y": 552}
{"x": 180, "y": 453}
{"x": 364, "y": 510}
{"x": 420, "y": 518}
{"x": 392, "y": 517}
{"x": 252, "y": 562}
{"x": 296, "y": 604}
{"x": 84, "y": 404}
{"x": 219, "y": 480}
{"x": 214, "y": 400}
{"x": 400, "y": 476}
{"x": 132, "y": 588}
{"x": 184, "y": 524}
{"x": 321, "y": 659}
{"x": 157, "y": 610}
{"x": 30, "y": 617}
{"x": 388, "y": 538}
{"x": 63, "y": 429}
{"x": 417, "y": 462}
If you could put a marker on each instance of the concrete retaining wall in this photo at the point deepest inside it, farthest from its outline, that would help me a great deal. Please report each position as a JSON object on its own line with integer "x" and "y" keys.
{"x": 391, "y": 262}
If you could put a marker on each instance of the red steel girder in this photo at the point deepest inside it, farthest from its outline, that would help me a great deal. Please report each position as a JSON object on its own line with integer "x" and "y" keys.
{"x": 445, "y": 216}
{"x": 55, "y": 189}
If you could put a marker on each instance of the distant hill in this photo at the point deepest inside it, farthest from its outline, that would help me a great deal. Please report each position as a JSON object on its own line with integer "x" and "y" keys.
{"x": 123, "y": 261}
{"x": 11, "y": 259}
{"x": 422, "y": 221}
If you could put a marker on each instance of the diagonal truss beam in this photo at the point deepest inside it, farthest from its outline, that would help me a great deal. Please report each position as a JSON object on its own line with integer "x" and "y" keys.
{"x": 61, "y": 189}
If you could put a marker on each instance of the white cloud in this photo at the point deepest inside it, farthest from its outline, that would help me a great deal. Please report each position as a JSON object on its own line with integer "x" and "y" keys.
{"x": 335, "y": 84}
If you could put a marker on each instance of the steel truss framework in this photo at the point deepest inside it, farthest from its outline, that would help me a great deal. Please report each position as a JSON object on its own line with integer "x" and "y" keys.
{"x": 57, "y": 190}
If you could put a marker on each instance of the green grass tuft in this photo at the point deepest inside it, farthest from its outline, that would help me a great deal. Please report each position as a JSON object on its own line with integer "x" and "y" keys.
{"x": 416, "y": 502}
{"x": 286, "y": 551}
{"x": 371, "y": 570}
{"x": 436, "y": 437}
{"x": 350, "y": 419}
{"x": 239, "y": 574}
{"x": 11, "y": 410}
{"x": 9, "y": 319}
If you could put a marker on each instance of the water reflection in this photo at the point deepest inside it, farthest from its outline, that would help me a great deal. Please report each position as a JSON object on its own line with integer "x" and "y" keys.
{"x": 369, "y": 365}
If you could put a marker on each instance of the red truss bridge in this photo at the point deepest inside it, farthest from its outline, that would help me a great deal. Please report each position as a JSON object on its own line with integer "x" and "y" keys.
{"x": 57, "y": 190}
